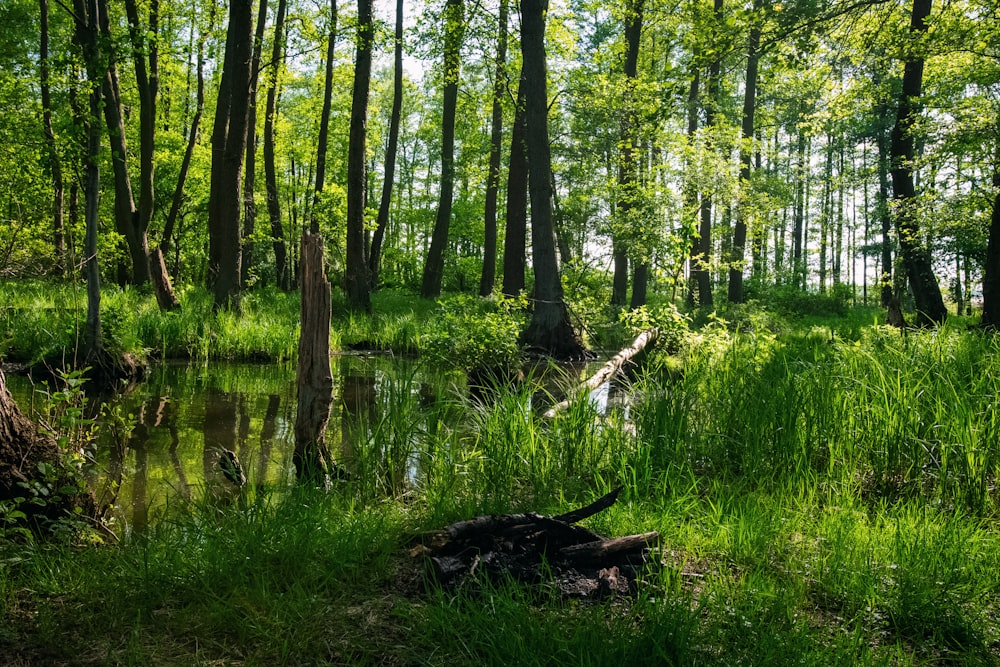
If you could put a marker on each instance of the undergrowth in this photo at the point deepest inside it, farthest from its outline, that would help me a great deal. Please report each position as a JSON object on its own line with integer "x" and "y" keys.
{"x": 823, "y": 498}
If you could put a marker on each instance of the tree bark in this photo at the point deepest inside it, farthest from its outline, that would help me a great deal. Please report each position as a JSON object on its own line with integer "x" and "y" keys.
{"x": 516, "y": 226}
{"x": 991, "y": 269}
{"x": 916, "y": 257}
{"x": 549, "y": 331}
{"x": 798, "y": 225}
{"x": 250, "y": 171}
{"x": 228, "y": 151}
{"x": 324, "y": 120}
{"x": 628, "y": 159}
{"x": 53, "y": 163}
{"x": 270, "y": 171}
{"x": 691, "y": 203}
{"x": 87, "y": 13}
{"x": 358, "y": 286}
{"x": 608, "y": 370}
{"x": 382, "y": 221}
{"x": 738, "y": 252}
{"x": 488, "y": 279}
{"x": 314, "y": 377}
{"x": 454, "y": 31}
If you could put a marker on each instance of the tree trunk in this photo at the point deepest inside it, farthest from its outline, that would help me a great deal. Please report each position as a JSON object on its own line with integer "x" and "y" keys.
{"x": 324, "y": 120}
{"x": 916, "y": 256}
{"x": 691, "y": 203}
{"x": 738, "y": 252}
{"x": 165, "y": 293}
{"x": 228, "y": 150}
{"x": 270, "y": 171}
{"x": 52, "y": 163}
{"x": 382, "y": 221}
{"x": 991, "y": 269}
{"x": 358, "y": 295}
{"x": 549, "y": 331}
{"x": 250, "y": 171}
{"x": 516, "y": 228}
{"x": 454, "y": 31}
{"x": 130, "y": 221}
{"x": 798, "y": 225}
{"x": 488, "y": 278}
{"x": 628, "y": 159}
{"x": 314, "y": 377}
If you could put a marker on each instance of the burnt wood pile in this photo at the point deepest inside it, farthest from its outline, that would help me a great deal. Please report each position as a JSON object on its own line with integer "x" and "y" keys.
{"x": 542, "y": 551}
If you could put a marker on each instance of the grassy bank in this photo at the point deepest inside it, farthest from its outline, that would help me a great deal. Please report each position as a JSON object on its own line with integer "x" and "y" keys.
{"x": 44, "y": 321}
{"x": 822, "y": 501}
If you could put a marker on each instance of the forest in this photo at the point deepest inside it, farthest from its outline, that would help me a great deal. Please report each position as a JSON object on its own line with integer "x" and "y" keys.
{"x": 300, "y": 300}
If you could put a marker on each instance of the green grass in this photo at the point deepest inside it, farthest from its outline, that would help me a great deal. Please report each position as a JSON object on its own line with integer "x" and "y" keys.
{"x": 821, "y": 500}
{"x": 43, "y": 322}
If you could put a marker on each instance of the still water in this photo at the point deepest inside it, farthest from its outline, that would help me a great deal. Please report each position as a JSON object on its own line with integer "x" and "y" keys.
{"x": 159, "y": 442}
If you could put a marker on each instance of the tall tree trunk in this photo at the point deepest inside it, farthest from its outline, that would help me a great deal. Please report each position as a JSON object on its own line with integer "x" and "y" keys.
{"x": 358, "y": 295}
{"x": 488, "y": 278}
{"x": 516, "y": 227}
{"x": 324, "y": 120}
{"x": 86, "y": 34}
{"x": 691, "y": 204}
{"x": 454, "y": 31}
{"x": 250, "y": 171}
{"x": 228, "y": 150}
{"x": 991, "y": 269}
{"x": 382, "y": 221}
{"x": 52, "y": 163}
{"x": 129, "y": 219}
{"x": 738, "y": 252}
{"x": 550, "y": 330}
{"x": 270, "y": 171}
{"x": 798, "y": 225}
{"x": 165, "y": 293}
{"x": 705, "y": 297}
{"x": 916, "y": 256}
{"x": 628, "y": 159}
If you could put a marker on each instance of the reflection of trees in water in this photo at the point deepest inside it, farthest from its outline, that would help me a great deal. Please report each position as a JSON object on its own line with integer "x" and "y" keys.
{"x": 267, "y": 432}
{"x": 219, "y": 429}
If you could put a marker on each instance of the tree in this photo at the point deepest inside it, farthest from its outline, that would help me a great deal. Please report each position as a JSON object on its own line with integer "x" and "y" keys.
{"x": 628, "y": 163}
{"x": 916, "y": 257}
{"x": 550, "y": 330}
{"x": 53, "y": 162}
{"x": 391, "y": 147}
{"x": 488, "y": 278}
{"x": 324, "y": 119}
{"x": 229, "y": 139}
{"x": 454, "y": 27}
{"x": 747, "y": 135}
{"x": 516, "y": 227}
{"x": 358, "y": 286}
{"x": 270, "y": 169}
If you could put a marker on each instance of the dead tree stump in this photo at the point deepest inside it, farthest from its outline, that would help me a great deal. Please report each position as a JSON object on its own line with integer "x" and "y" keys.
{"x": 314, "y": 377}
{"x": 538, "y": 550}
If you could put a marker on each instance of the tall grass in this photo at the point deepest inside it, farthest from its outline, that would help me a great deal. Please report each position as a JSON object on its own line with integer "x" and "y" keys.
{"x": 820, "y": 501}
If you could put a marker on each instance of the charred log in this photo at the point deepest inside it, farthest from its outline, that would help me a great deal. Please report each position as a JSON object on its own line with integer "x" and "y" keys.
{"x": 538, "y": 550}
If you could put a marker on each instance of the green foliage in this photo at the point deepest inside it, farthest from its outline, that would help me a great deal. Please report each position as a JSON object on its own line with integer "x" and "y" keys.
{"x": 472, "y": 333}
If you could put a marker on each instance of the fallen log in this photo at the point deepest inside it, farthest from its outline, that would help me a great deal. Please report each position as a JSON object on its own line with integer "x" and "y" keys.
{"x": 607, "y": 371}
{"x": 534, "y": 549}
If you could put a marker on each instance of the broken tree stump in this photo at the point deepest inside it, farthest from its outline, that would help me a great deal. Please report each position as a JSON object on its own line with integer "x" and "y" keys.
{"x": 607, "y": 371}
{"x": 538, "y": 550}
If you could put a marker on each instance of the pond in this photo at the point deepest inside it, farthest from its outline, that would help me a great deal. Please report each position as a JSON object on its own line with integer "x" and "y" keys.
{"x": 160, "y": 441}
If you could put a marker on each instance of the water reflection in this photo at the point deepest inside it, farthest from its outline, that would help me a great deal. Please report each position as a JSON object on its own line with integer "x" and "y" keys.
{"x": 160, "y": 443}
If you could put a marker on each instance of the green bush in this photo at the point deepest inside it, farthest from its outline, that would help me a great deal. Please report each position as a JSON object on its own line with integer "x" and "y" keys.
{"x": 476, "y": 334}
